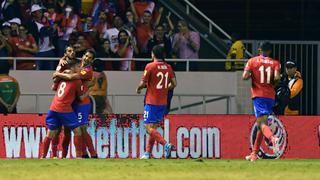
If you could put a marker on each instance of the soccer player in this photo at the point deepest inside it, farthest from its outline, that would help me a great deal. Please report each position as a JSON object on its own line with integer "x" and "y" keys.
{"x": 158, "y": 78}
{"x": 61, "y": 112}
{"x": 68, "y": 55}
{"x": 264, "y": 72}
{"x": 83, "y": 109}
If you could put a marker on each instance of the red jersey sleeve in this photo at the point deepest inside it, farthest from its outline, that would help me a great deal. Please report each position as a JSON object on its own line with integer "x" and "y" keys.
{"x": 146, "y": 73}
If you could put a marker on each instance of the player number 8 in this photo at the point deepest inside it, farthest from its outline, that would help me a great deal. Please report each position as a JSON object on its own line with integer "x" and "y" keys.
{"x": 63, "y": 85}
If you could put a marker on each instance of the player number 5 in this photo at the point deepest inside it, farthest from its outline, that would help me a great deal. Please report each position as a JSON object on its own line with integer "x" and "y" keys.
{"x": 79, "y": 115}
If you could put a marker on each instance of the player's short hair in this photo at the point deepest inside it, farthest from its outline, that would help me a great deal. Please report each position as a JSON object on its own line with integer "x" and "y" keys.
{"x": 158, "y": 52}
{"x": 266, "y": 46}
{"x": 98, "y": 65}
{"x": 65, "y": 50}
{"x": 91, "y": 52}
{"x": 72, "y": 62}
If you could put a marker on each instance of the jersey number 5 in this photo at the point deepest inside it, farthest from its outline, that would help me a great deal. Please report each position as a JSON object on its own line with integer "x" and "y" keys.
{"x": 63, "y": 85}
{"x": 162, "y": 76}
{"x": 268, "y": 70}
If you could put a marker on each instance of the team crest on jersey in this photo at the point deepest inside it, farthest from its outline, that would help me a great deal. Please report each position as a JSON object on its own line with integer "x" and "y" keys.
{"x": 83, "y": 72}
{"x": 145, "y": 72}
{"x": 279, "y": 131}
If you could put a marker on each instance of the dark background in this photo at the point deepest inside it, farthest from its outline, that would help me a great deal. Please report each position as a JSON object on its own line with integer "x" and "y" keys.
{"x": 266, "y": 19}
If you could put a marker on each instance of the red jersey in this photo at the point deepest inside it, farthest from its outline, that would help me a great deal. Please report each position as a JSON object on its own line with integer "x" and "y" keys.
{"x": 262, "y": 73}
{"x": 65, "y": 95}
{"x": 86, "y": 74}
{"x": 157, "y": 76}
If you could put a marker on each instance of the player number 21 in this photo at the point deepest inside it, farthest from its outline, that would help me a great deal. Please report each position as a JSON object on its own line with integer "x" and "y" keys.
{"x": 268, "y": 70}
{"x": 160, "y": 85}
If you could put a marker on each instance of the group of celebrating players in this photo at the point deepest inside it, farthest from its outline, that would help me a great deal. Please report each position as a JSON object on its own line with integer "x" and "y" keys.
{"x": 70, "y": 107}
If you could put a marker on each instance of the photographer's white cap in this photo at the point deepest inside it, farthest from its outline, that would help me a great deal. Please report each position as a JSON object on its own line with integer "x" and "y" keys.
{"x": 15, "y": 20}
{"x": 35, "y": 7}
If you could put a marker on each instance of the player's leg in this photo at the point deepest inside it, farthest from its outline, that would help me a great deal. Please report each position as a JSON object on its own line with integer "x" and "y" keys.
{"x": 263, "y": 108}
{"x": 66, "y": 141}
{"x": 153, "y": 115}
{"x": 53, "y": 125}
{"x": 70, "y": 120}
{"x": 83, "y": 116}
{"x": 55, "y": 143}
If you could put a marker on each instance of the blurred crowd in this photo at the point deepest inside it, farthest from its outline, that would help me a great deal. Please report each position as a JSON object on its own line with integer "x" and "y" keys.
{"x": 113, "y": 28}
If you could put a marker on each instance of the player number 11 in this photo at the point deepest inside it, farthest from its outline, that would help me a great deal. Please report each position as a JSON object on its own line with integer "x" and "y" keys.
{"x": 268, "y": 70}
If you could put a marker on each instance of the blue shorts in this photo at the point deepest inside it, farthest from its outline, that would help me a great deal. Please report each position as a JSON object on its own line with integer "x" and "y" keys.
{"x": 55, "y": 120}
{"x": 82, "y": 111}
{"x": 153, "y": 113}
{"x": 263, "y": 106}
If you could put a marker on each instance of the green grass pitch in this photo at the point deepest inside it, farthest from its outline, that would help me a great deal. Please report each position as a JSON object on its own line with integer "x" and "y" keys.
{"x": 159, "y": 169}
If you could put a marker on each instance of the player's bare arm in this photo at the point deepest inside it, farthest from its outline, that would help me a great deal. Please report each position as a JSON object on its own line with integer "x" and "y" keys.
{"x": 141, "y": 86}
{"x": 277, "y": 77}
{"x": 173, "y": 83}
{"x": 67, "y": 77}
{"x": 246, "y": 75}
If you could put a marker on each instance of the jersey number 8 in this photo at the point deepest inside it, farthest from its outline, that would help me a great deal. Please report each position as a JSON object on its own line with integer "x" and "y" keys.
{"x": 63, "y": 85}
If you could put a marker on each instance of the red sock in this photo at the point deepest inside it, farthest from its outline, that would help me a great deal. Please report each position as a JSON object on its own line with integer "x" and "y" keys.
{"x": 156, "y": 136}
{"x": 89, "y": 144}
{"x": 151, "y": 141}
{"x": 78, "y": 144}
{"x": 84, "y": 145}
{"x": 54, "y": 146}
{"x": 65, "y": 145}
{"x": 257, "y": 142}
{"x": 267, "y": 132}
{"x": 46, "y": 144}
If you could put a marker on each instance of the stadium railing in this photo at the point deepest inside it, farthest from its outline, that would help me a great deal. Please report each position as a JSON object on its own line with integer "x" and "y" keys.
{"x": 205, "y": 100}
{"x": 187, "y": 61}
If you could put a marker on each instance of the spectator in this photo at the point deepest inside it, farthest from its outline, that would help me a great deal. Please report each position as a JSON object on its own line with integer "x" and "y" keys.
{"x": 168, "y": 27}
{"x": 99, "y": 90}
{"x": 88, "y": 24}
{"x": 24, "y": 9}
{"x": 139, "y": 7}
{"x": 102, "y": 24}
{"x": 43, "y": 33}
{"x": 112, "y": 33}
{"x": 6, "y": 30}
{"x": 236, "y": 51}
{"x": 105, "y": 52}
{"x": 295, "y": 83}
{"x": 81, "y": 46}
{"x": 186, "y": 45}
{"x": 5, "y": 48}
{"x": 9, "y": 90}
{"x": 107, "y": 6}
{"x": 126, "y": 48}
{"x": 9, "y": 9}
{"x": 145, "y": 31}
{"x": 14, "y": 25}
{"x": 71, "y": 23}
{"x": 159, "y": 38}
{"x": 24, "y": 46}
{"x": 130, "y": 22}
